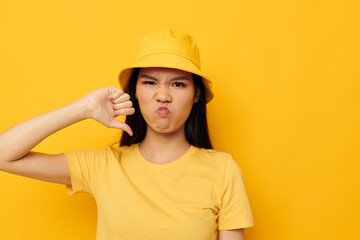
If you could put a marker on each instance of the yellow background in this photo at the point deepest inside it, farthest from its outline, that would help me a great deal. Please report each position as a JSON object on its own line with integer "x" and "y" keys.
{"x": 286, "y": 82}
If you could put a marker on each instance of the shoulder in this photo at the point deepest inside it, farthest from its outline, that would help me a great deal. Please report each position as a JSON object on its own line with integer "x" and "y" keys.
{"x": 223, "y": 161}
{"x": 214, "y": 154}
{"x": 119, "y": 152}
{"x": 213, "y": 157}
{"x": 109, "y": 152}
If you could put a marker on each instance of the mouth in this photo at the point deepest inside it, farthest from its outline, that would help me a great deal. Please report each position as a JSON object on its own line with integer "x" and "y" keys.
{"x": 163, "y": 111}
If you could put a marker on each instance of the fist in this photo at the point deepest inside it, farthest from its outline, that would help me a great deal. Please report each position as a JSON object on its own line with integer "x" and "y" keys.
{"x": 107, "y": 103}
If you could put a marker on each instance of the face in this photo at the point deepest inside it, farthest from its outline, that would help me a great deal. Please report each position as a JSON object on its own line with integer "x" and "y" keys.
{"x": 165, "y": 97}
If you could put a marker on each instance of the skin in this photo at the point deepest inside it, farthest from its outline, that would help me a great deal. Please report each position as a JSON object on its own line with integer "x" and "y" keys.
{"x": 172, "y": 88}
{"x": 102, "y": 105}
{"x": 164, "y": 141}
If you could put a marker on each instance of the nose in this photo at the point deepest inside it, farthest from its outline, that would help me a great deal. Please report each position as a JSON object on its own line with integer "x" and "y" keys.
{"x": 163, "y": 95}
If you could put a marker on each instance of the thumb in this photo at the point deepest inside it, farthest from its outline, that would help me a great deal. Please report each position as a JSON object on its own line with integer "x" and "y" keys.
{"x": 121, "y": 125}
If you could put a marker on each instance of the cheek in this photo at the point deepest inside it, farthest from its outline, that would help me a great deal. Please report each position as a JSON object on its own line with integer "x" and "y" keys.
{"x": 187, "y": 100}
{"x": 186, "y": 106}
{"x": 143, "y": 97}
{"x": 144, "y": 105}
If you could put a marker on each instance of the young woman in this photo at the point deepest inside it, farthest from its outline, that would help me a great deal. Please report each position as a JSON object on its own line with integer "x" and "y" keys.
{"x": 164, "y": 181}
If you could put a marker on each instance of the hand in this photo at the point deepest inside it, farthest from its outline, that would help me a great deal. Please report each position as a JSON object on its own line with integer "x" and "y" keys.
{"x": 107, "y": 103}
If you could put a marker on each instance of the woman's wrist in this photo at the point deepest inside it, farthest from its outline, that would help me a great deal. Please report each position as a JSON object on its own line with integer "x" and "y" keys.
{"x": 83, "y": 107}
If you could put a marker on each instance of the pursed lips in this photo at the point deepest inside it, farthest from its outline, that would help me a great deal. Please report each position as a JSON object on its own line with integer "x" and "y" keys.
{"x": 163, "y": 111}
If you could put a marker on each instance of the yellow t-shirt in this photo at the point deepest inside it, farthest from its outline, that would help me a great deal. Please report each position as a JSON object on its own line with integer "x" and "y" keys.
{"x": 190, "y": 198}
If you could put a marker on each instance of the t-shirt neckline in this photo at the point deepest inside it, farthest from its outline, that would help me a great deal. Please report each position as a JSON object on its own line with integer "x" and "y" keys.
{"x": 148, "y": 164}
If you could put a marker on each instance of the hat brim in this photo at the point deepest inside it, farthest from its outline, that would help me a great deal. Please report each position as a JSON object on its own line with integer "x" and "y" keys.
{"x": 167, "y": 60}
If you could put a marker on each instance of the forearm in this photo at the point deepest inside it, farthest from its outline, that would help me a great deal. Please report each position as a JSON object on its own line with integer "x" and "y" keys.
{"x": 18, "y": 140}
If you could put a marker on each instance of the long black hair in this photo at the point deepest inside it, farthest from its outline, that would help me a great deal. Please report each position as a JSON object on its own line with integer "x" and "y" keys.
{"x": 196, "y": 128}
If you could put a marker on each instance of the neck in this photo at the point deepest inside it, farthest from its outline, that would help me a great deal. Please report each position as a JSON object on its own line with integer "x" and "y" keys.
{"x": 164, "y": 147}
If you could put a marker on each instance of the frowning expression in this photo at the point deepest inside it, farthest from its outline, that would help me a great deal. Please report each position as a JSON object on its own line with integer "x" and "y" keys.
{"x": 165, "y": 97}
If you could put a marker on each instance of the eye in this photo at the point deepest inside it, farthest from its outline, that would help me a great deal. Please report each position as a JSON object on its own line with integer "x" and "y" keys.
{"x": 148, "y": 82}
{"x": 179, "y": 84}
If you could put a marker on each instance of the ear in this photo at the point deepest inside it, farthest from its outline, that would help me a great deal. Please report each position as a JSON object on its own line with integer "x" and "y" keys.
{"x": 197, "y": 95}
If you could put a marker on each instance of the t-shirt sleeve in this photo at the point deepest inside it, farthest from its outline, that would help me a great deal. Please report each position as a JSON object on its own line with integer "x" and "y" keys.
{"x": 85, "y": 167}
{"x": 235, "y": 209}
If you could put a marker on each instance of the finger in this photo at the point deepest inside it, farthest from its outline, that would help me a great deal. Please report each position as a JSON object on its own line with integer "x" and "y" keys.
{"x": 127, "y": 104}
{"x": 122, "y": 98}
{"x": 124, "y": 111}
{"x": 114, "y": 92}
{"x": 121, "y": 125}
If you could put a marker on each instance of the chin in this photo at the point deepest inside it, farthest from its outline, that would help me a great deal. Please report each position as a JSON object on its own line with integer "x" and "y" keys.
{"x": 165, "y": 129}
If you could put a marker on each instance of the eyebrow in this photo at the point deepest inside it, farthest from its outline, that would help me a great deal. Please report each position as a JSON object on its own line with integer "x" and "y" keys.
{"x": 153, "y": 78}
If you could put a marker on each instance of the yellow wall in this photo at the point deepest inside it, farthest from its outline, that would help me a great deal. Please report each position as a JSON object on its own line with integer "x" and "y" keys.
{"x": 286, "y": 82}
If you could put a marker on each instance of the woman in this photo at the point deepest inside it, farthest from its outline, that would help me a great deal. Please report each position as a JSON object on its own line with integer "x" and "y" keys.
{"x": 164, "y": 181}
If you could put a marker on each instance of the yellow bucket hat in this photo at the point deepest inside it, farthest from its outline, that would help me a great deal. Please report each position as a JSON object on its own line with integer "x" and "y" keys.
{"x": 169, "y": 49}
